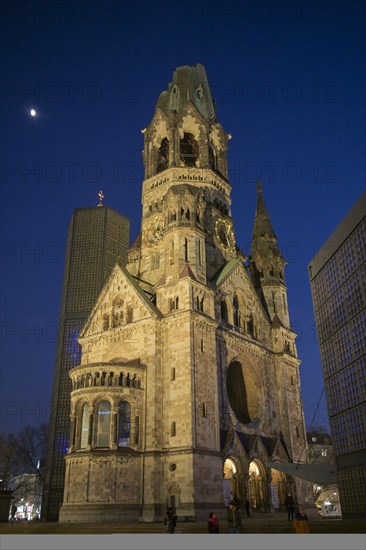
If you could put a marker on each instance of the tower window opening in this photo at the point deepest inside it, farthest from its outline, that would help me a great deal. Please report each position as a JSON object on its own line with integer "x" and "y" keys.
{"x": 173, "y": 304}
{"x": 224, "y": 312}
{"x": 251, "y": 325}
{"x": 171, "y": 253}
{"x": 284, "y": 303}
{"x": 236, "y": 311}
{"x": 173, "y": 430}
{"x": 185, "y": 250}
{"x": 273, "y": 302}
{"x": 189, "y": 150}
{"x": 163, "y": 155}
{"x": 212, "y": 159}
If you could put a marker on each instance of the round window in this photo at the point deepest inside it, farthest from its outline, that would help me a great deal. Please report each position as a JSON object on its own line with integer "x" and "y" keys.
{"x": 242, "y": 392}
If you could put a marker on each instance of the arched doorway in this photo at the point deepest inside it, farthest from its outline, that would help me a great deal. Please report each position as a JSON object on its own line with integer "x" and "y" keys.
{"x": 278, "y": 489}
{"x": 232, "y": 487}
{"x": 257, "y": 486}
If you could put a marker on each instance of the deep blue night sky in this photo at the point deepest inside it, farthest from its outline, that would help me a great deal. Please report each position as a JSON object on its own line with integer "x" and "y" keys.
{"x": 289, "y": 84}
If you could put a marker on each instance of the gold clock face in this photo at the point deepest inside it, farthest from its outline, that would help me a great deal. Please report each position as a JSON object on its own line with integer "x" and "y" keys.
{"x": 225, "y": 235}
{"x": 153, "y": 232}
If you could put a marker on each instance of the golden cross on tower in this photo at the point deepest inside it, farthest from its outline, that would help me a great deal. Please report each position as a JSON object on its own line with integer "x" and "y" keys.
{"x": 101, "y": 197}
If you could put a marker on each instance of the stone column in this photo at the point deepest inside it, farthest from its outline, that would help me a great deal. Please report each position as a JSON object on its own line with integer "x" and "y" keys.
{"x": 269, "y": 491}
{"x": 91, "y": 428}
{"x": 113, "y": 430}
{"x": 72, "y": 433}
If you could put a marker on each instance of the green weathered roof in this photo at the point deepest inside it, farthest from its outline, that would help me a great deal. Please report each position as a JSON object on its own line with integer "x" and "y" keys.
{"x": 225, "y": 271}
{"x": 140, "y": 291}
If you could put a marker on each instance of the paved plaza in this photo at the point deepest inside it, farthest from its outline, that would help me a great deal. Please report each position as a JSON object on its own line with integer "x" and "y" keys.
{"x": 256, "y": 524}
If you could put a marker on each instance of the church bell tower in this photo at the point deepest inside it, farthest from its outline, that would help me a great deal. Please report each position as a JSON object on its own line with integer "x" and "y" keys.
{"x": 186, "y": 216}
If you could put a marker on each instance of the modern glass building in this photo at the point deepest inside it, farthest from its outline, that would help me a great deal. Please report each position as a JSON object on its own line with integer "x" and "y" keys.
{"x": 338, "y": 284}
{"x": 98, "y": 238}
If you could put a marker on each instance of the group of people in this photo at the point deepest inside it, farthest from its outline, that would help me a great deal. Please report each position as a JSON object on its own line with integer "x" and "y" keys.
{"x": 234, "y": 517}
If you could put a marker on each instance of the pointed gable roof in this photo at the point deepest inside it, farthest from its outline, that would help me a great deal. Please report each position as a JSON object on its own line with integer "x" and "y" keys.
{"x": 276, "y": 321}
{"x": 224, "y": 272}
{"x": 225, "y": 438}
{"x": 247, "y": 440}
{"x": 121, "y": 271}
{"x": 137, "y": 242}
{"x": 187, "y": 272}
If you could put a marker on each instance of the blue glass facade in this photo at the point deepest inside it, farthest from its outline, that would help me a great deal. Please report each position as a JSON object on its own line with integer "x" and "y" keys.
{"x": 338, "y": 283}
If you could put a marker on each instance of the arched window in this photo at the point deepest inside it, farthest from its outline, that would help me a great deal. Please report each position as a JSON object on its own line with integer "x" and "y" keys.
{"x": 124, "y": 424}
{"x": 85, "y": 422}
{"x": 106, "y": 322}
{"x": 163, "y": 155}
{"x": 117, "y": 312}
{"x": 251, "y": 325}
{"x": 189, "y": 150}
{"x": 224, "y": 313}
{"x": 172, "y": 217}
{"x": 103, "y": 423}
{"x": 212, "y": 158}
{"x": 129, "y": 316}
{"x": 236, "y": 311}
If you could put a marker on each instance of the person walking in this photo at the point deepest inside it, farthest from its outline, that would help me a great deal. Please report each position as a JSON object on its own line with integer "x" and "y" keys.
{"x": 170, "y": 520}
{"x": 213, "y": 524}
{"x": 301, "y": 522}
{"x": 247, "y": 507}
{"x": 290, "y": 506}
{"x": 234, "y": 518}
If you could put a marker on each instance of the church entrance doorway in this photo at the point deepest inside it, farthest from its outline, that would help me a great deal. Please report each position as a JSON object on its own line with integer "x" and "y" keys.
{"x": 257, "y": 486}
{"x": 232, "y": 488}
{"x": 278, "y": 489}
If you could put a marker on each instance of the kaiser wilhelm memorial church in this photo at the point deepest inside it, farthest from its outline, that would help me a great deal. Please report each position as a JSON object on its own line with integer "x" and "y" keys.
{"x": 187, "y": 385}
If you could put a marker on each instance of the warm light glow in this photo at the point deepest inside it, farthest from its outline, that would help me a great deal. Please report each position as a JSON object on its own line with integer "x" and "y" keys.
{"x": 230, "y": 464}
{"x": 33, "y": 112}
{"x": 253, "y": 468}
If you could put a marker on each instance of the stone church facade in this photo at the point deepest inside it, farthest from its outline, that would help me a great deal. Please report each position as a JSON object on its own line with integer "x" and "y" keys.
{"x": 189, "y": 379}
